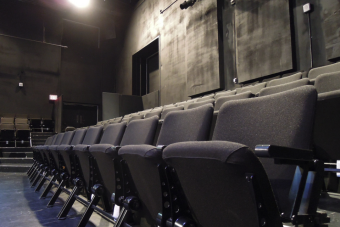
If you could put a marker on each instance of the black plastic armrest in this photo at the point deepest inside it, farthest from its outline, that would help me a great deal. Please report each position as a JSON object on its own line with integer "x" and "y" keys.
{"x": 278, "y": 152}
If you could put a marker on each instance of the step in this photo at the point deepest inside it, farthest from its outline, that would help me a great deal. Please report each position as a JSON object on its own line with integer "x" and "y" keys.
{"x": 16, "y": 160}
{"x": 17, "y": 154}
{"x": 15, "y": 149}
{"x": 15, "y": 167}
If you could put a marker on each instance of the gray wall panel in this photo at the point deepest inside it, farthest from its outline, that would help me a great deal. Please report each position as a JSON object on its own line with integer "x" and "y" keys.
{"x": 263, "y": 38}
{"x": 151, "y": 100}
{"x": 188, "y": 47}
{"x": 110, "y": 105}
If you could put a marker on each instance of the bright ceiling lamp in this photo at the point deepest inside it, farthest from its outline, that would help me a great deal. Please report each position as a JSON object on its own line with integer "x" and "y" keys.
{"x": 80, "y": 3}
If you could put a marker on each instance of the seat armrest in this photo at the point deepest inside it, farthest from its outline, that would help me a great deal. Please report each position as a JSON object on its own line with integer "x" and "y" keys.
{"x": 116, "y": 148}
{"x": 161, "y": 147}
{"x": 278, "y": 152}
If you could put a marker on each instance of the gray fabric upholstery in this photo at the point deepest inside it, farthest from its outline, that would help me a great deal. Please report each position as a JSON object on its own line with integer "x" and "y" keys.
{"x": 67, "y": 138}
{"x": 113, "y": 134}
{"x": 83, "y": 153}
{"x": 201, "y": 103}
{"x": 327, "y": 82}
{"x": 142, "y": 160}
{"x": 253, "y": 89}
{"x": 329, "y": 95}
{"x": 168, "y": 110}
{"x": 136, "y": 117}
{"x": 208, "y": 97}
{"x": 315, "y": 72}
{"x": 284, "y": 80}
{"x": 283, "y": 87}
{"x": 188, "y": 125}
{"x": 212, "y": 175}
{"x": 136, "y": 132}
{"x": 78, "y": 136}
{"x": 225, "y": 93}
{"x": 59, "y": 138}
{"x": 185, "y": 104}
{"x": 93, "y": 135}
{"x": 154, "y": 113}
{"x": 284, "y": 119}
{"x": 221, "y": 100}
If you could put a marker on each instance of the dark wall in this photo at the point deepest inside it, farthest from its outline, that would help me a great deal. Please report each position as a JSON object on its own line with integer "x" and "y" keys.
{"x": 324, "y": 31}
{"x": 189, "y": 59}
{"x": 80, "y": 73}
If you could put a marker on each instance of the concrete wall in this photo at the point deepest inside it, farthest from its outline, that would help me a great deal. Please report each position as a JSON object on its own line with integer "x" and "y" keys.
{"x": 188, "y": 47}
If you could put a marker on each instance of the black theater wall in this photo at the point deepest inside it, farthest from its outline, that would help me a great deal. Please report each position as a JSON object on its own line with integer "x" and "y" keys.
{"x": 80, "y": 73}
{"x": 198, "y": 45}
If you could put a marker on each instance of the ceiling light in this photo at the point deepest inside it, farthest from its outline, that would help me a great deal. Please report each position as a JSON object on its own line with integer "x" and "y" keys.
{"x": 80, "y": 3}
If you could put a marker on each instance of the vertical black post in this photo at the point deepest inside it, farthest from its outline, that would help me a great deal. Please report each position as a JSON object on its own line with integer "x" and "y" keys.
{"x": 69, "y": 203}
{"x": 41, "y": 183}
{"x": 89, "y": 211}
{"x": 48, "y": 188}
{"x": 56, "y": 194}
{"x": 36, "y": 179}
{"x": 31, "y": 168}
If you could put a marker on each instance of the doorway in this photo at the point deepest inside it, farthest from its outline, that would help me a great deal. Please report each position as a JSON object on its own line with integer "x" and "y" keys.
{"x": 145, "y": 69}
{"x": 79, "y": 115}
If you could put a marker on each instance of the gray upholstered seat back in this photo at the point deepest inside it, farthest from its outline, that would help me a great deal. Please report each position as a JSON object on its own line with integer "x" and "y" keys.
{"x": 170, "y": 109}
{"x": 78, "y": 137}
{"x": 283, "y": 87}
{"x": 201, "y": 103}
{"x": 59, "y": 138}
{"x": 93, "y": 135}
{"x": 287, "y": 115}
{"x": 187, "y": 125}
{"x": 327, "y": 82}
{"x": 224, "y": 93}
{"x": 222, "y": 99}
{"x": 284, "y": 80}
{"x": 284, "y": 119}
{"x": 154, "y": 113}
{"x": 315, "y": 72}
{"x": 113, "y": 133}
{"x": 67, "y": 138}
{"x": 253, "y": 89}
{"x": 140, "y": 131}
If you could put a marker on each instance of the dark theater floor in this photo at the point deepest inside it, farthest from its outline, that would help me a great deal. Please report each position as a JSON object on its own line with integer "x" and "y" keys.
{"x": 21, "y": 206}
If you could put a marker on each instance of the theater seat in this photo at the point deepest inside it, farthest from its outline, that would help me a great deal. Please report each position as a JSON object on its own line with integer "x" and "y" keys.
{"x": 145, "y": 161}
{"x": 201, "y": 103}
{"x": 170, "y": 109}
{"x": 224, "y": 93}
{"x": 327, "y": 123}
{"x": 224, "y": 181}
{"x": 284, "y": 80}
{"x": 137, "y": 132}
{"x": 222, "y": 99}
{"x": 283, "y": 87}
{"x": 253, "y": 89}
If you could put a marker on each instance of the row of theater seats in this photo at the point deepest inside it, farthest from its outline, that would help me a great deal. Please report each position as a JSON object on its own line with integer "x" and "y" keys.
{"x": 259, "y": 169}
{"x": 326, "y": 80}
{"x": 14, "y": 131}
